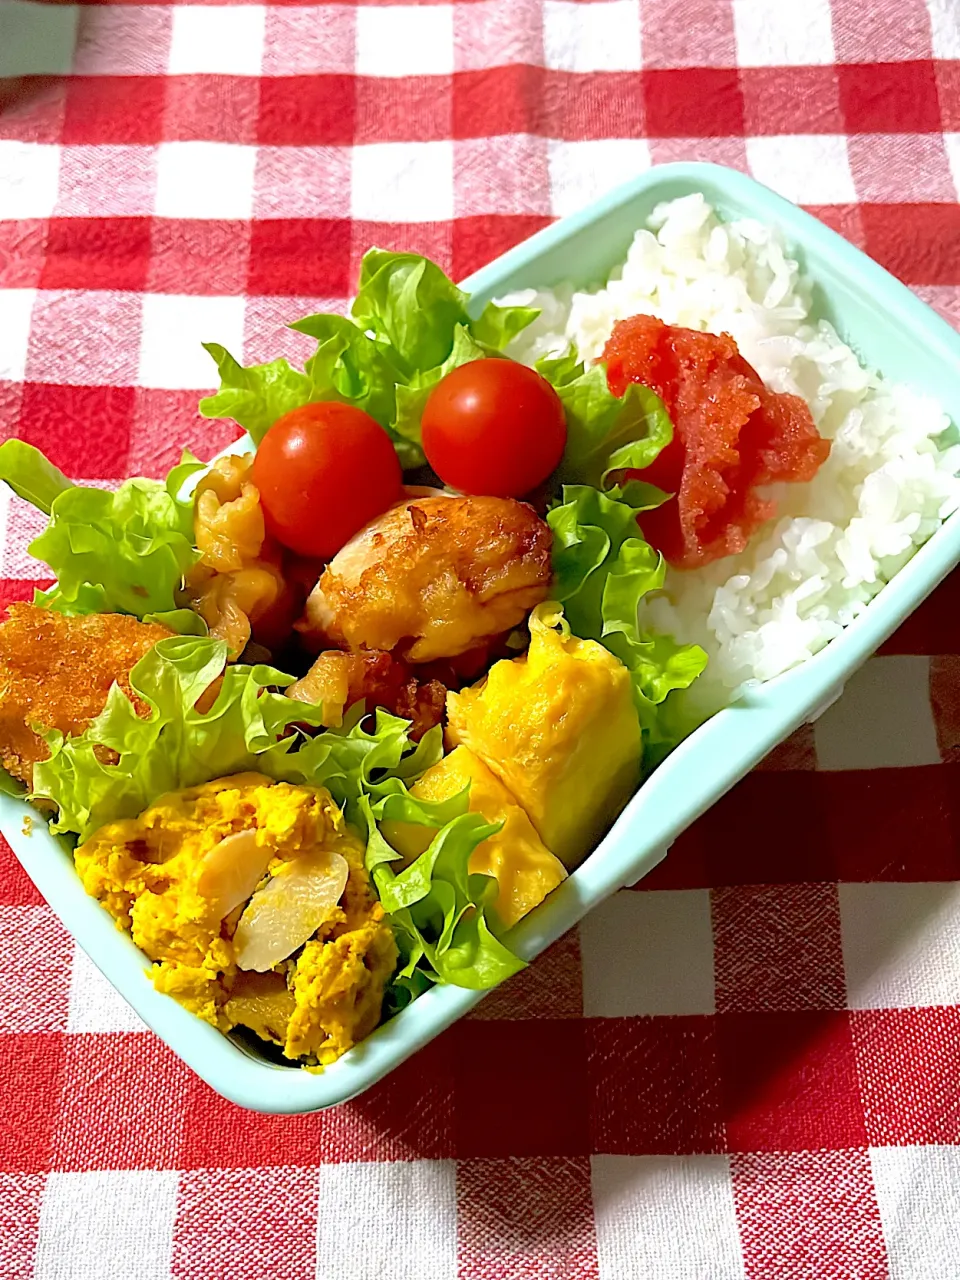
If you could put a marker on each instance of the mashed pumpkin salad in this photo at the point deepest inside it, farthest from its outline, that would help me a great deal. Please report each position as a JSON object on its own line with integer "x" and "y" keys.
{"x": 306, "y": 950}
{"x": 324, "y": 720}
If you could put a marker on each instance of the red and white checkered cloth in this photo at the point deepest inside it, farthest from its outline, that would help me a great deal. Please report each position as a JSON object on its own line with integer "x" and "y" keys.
{"x": 750, "y": 1067}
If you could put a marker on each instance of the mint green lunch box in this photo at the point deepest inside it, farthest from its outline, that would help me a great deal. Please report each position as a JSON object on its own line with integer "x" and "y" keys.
{"x": 890, "y": 330}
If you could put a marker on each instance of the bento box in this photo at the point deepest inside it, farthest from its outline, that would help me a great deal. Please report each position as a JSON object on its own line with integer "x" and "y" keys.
{"x": 889, "y": 329}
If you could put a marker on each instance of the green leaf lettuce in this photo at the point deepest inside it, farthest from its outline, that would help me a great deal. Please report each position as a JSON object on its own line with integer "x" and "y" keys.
{"x": 606, "y": 434}
{"x": 122, "y": 762}
{"x": 409, "y": 325}
{"x": 255, "y": 396}
{"x": 437, "y": 907}
{"x": 123, "y": 551}
{"x": 603, "y": 568}
{"x": 410, "y": 306}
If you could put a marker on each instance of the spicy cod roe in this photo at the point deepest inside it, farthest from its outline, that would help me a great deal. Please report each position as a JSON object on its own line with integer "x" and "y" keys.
{"x": 731, "y": 435}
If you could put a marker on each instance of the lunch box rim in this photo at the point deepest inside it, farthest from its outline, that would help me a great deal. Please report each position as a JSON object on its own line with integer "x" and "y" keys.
{"x": 688, "y": 782}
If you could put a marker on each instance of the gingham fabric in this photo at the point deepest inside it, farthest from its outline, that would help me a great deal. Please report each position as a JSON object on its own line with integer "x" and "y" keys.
{"x": 750, "y": 1066}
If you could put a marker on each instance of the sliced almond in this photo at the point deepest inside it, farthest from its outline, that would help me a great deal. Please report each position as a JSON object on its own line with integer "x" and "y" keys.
{"x": 289, "y": 909}
{"x": 232, "y": 870}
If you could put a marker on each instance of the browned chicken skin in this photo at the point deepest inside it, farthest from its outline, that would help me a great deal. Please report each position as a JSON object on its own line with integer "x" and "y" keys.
{"x": 432, "y": 578}
{"x": 337, "y": 680}
{"x": 56, "y": 672}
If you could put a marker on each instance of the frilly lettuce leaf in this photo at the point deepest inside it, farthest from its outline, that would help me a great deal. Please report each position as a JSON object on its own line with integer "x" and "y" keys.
{"x": 31, "y": 476}
{"x": 602, "y": 565}
{"x": 410, "y": 306}
{"x": 183, "y": 622}
{"x": 606, "y": 434}
{"x": 437, "y": 907}
{"x": 603, "y": 568}
{"x": 497, "y": 325}
{"x": 122, "y": 761}
{"x": 257, "y": 395}
{"x": 409, "y": 321}
{"x": 111, "y": 552}
{"x": 352, "y": 762}
{"x": 349, "y": 366}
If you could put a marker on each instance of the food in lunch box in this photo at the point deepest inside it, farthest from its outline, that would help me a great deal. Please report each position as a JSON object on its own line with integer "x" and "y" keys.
{"x": 433, "y": 578}
{"x": 731, "y": 436}
{"x": 523, "y": 867}
{"x": 56, "y": 672}
{"x": 252, "y": 900}
{"x": 327, "y": 726}
{"x": 889, "y": 480}
{"x": 559, "y": 728}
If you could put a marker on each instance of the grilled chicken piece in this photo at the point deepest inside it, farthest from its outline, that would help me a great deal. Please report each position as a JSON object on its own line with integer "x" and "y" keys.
{"x": 56, "y": 672}
{"x": 432, "y": 578}
{"x": 337, "y": 680}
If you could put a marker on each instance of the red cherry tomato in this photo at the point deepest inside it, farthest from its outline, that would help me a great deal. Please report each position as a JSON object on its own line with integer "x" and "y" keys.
{"x": 493, "y": 427}
{"x": 324, "y": 471}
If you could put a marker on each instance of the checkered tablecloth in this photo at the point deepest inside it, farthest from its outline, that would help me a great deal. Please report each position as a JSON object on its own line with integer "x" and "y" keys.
{"x": 751, "y": 1065}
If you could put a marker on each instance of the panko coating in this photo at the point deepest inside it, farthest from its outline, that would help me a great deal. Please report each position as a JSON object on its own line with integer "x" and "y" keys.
{"x": 524, "y": 868}
{"x": 432, "y": 578}
{"x": 56, "y": 672}
{"x": 163, "y": 878}
{"x": 559, "y": 729}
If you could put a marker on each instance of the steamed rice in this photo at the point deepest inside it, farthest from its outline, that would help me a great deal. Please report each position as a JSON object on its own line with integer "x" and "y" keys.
{"x": 890, "y": 479}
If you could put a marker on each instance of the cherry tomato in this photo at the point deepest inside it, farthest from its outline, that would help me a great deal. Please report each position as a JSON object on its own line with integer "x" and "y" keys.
{"x": 324, "y": 471}
{"x": 493, "y": 427}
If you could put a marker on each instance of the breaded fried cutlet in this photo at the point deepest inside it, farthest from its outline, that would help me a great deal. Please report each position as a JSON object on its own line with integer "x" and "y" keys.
{"x": 56, "y": 672}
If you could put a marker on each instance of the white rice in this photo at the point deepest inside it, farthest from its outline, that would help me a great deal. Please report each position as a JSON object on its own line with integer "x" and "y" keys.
{"x": 890, "y": 479}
